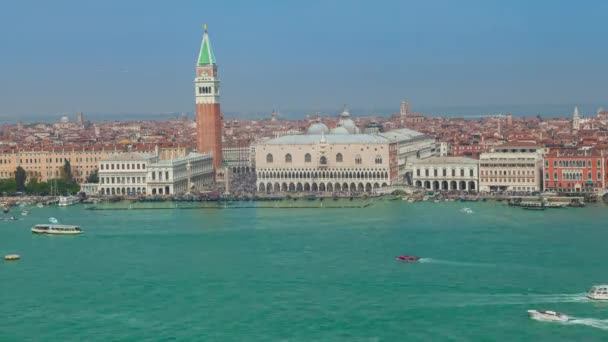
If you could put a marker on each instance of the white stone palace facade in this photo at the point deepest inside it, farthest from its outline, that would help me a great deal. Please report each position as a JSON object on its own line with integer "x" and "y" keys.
{"x": 319, "y": 163}
{"x": 338, "y": 160}
{"x": 447, "y": 174}
{"x": 512, "y": 167}
{"x": 142, "y": 174}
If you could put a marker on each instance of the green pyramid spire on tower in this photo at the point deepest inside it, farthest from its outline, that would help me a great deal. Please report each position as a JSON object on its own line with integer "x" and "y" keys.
{"x": 206, "y": 57}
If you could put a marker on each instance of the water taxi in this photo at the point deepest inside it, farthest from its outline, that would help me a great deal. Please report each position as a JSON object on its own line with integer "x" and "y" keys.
{"x": 546, "y": 315}
{"x": 56, "y": 229}
{"x": 12, "y": 257}
{"x": 64, "y": 201}
{"x": 598, "y": 292}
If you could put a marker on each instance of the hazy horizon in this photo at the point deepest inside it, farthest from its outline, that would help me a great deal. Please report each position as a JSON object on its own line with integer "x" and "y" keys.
{"x": 545, "y": 111}
{"x": 447, "y": 58}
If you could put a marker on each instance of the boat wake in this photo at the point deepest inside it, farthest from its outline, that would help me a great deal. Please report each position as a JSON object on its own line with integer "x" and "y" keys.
{"x": 590, "y": 322}
{"x": 463, "y": 300}
{"x": 524, "y": 299}
{"x": 455, "y": 263}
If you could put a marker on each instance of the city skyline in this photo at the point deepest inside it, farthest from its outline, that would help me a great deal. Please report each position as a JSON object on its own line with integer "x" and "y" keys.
{"x": 500, "y": 58}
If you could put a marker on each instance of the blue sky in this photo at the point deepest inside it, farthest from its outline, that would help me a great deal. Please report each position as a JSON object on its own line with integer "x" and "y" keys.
{"x": 134, "y": 56}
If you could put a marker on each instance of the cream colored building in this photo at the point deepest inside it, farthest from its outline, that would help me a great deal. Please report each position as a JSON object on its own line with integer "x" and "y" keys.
{"x": 180, "y": 175}
{"x": 447, "y": 174}
{"x": 124, "y": 174}
{"x": 320, "y": 163}
{"x": 511, "y": 167}
{"x": 143, "y": 174}
{"x": 47, "y": 164}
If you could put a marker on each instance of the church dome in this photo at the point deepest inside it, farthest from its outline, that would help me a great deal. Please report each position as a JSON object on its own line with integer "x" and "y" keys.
{"x": 317, "y": 128}
{"x": 340, "y": 131}
{"x": 348, "y": 123}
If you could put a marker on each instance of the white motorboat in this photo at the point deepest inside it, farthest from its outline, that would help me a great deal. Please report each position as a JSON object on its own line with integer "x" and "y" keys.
{"x": 25, "y": 212}
{"x": 546, "y": 315}
{"x": 598, "y": 292}
{"x": 466, "y": 210}
{"x": 40, "y": 205}
{"x": 64, "y": 201}
{"x": 56, "y": 229}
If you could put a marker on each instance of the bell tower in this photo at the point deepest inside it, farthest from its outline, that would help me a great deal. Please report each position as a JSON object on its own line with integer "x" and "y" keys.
{"x": 207, "y": 95}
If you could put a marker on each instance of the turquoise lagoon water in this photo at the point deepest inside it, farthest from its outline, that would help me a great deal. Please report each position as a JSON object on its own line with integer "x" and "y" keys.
{"x": 264, "y": 274}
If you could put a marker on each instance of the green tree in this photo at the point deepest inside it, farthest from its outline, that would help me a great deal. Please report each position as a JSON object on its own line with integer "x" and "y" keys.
{"x": 20, "y": 178}
{"x": 93, "y": 177}
{"x": 8, "y": 186}
{"x": 34, "y": 187}
{"x": 66, "y": 171}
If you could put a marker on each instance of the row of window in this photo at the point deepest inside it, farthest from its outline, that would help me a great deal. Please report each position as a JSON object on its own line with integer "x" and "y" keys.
{"x": 205, "y": 90}
{"x": 506, "y": 165}
{"x": 123, "y": 166}
{"x": 323, "y": 174}
{"x": 509, "y": 180}
{"x": 507, "y": 173}
{"x": 444, "y": 172}
{"x": 121, "y": 180}
{"x": 160, "y": 175}
{"x": 49, "y": 160}
{"x": 573, "y": 176}
{"x": 322, "y": 160}
{"x": 572, "y": 163}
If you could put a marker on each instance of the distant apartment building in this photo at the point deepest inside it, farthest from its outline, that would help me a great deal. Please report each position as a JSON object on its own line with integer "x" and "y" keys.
{"x": 443, "y": 148}
{"x": 144, "y": 174}
{"x": 447, "y": 174}
{"x": 511, "y": 167}
{"x": 572, "y": 170}
{"x": 471, "y": 151}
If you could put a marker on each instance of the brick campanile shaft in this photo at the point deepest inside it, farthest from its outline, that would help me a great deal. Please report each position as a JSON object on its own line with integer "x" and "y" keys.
{"x": 207, "y": 93}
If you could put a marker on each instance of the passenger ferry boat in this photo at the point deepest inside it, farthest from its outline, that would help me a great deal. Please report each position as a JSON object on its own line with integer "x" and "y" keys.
{"x": 598, "y": 292}
{"x": 56, "y": 229}
{"x": 64, "y": 201}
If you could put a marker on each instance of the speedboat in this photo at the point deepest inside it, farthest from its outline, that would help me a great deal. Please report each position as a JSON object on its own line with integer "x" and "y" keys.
{"x": 546, "y": 315}
{"x": 25, "y": 213}
{"x": 8, "y": 218}
{"x": 407, "y": 258}
{"x": 598, "y": 292}
{"x": 466, "y": 210}
{"x": 56, "y": 229}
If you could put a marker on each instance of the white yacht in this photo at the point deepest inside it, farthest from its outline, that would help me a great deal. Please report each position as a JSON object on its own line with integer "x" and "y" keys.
{"x": 56, "y": 229}
{"x": 546, "y": 315}
{"x": 64, "y": 201}
{"x": 598, "y": 292}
